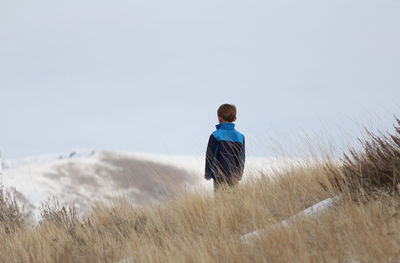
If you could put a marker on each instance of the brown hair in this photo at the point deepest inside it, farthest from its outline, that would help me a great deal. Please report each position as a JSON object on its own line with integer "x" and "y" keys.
{"x": 227, "y": 112}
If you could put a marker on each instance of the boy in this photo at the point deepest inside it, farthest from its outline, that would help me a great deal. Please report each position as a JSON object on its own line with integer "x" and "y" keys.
{"x": 225, "y": 151}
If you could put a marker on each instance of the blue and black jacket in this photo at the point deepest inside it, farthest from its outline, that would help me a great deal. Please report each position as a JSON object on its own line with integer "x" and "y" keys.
{"x": 225, "y": 155}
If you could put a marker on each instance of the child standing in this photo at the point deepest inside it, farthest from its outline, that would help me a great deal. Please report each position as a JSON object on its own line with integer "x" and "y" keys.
{"x": 225, "y": 155}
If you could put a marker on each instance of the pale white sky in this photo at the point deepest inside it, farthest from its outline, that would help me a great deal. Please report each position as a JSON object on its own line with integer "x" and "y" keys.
{"x": 148, "y": 75}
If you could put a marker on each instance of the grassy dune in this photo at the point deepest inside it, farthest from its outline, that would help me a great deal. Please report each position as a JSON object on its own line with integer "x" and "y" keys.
{"x": 364, "y": 226}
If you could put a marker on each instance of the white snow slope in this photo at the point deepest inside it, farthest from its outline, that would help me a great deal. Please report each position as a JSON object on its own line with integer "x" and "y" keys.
{"x": 81, "y": 178}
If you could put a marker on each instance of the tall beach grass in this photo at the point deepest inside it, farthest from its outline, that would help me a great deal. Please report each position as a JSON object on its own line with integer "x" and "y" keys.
{"x": 364, "y": 226}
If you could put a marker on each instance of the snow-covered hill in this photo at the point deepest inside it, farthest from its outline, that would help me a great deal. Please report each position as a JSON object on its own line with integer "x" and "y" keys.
{"x": 7, "y": 164}
{"x": 83, "y": 177}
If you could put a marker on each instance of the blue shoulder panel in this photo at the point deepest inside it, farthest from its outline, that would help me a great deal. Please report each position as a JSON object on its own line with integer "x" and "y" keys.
{"x": 228, "y": 135}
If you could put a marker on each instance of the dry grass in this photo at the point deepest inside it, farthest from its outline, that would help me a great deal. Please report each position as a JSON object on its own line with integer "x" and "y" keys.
{"x": 374, "y": 168}
{"x": 197, "y": 227}
{"x": 10, "y": 217}
{"x": 200, "y": 227}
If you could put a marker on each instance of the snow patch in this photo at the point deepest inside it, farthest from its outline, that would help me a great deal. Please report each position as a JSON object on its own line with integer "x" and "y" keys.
{"x": 312, "y": 211}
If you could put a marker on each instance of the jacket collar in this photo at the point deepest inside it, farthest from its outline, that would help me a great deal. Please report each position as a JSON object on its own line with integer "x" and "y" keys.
{"x": 226, "y": 126}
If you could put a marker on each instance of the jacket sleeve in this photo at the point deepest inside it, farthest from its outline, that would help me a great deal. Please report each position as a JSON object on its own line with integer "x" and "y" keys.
{"x": 210, "y": 157}
{"x": 242, "y": 158}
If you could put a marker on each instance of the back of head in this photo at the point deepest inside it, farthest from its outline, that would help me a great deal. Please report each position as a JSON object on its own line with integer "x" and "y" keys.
{"x": 227, "y": 112}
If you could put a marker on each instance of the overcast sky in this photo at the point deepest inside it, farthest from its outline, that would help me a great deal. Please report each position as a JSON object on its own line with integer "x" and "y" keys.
{"x": 149, "y": 75}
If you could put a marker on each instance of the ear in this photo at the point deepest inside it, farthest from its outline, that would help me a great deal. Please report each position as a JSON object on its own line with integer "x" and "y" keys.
{"x": 234, "y": 119}
{"x": 219, "y": 119}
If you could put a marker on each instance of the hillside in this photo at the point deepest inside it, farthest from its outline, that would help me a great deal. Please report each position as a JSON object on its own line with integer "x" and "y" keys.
{"x": 199, "y": 227}
{"x": 314, "y": 211}
{"x": 80, "y": 178}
